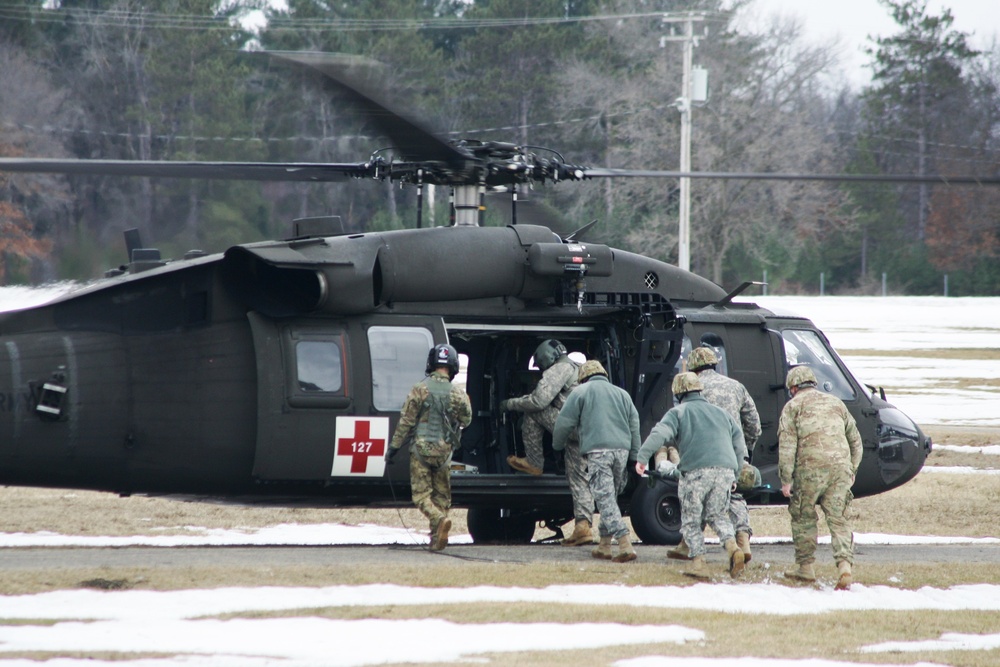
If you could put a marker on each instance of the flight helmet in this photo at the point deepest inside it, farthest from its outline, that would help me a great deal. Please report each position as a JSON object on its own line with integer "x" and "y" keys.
{"x": 548, "y": 353}
{"x": 443, "y": 355}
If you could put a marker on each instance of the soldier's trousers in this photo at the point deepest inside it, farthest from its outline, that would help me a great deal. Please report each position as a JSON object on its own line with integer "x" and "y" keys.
{"x": 430, "y": 483}
{"x": 606, "y": 472}
{"x": 704, "y": 495}
{"x": 831, "y": 490}
{"x": 739, "y": 514}
{"x": 533, "y": 429}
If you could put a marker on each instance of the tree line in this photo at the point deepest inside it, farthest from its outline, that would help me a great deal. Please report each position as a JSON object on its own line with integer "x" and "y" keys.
{"x": 596, "y": 80}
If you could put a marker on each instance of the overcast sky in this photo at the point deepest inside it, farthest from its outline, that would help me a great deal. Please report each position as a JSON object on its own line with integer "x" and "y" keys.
{"x": 854, "y": 20}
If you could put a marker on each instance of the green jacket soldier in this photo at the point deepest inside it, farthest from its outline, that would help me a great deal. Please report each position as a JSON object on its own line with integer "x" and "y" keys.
{"x": 432, "y": 419}
{"x": 819, "y": 451}
{"x": 608, "y": 425}
{"x": 541, "y": 408}
{"x": 711, "y": 448}
{"x": 733, "y": 397}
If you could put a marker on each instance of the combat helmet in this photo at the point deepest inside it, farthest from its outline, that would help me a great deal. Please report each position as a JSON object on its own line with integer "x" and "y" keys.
{"x": 685, "y": 383}
{"x": 548, "y": 353}
{"x": 748, "y": 479}
{"x": 701, "y": 357}
{"x": 589, "y": 369}
{"x": 800, "y": 375}
{"x": 443, "y": 355}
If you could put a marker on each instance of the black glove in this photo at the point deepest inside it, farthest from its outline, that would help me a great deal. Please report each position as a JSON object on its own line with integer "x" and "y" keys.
{"x": 390, "y": 452}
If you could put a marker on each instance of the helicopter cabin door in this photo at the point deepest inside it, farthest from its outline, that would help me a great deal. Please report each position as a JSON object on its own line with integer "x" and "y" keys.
{"x": 330, "y": 392}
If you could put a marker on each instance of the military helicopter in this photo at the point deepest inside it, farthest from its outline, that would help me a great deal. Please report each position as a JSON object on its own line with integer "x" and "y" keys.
{"x": 275, "y": 371}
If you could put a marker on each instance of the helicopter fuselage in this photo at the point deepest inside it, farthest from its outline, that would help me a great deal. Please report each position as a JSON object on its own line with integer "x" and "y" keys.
{"x": 276, "y": 371}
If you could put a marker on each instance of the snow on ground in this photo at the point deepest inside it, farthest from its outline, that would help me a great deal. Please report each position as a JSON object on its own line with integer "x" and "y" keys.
{"x": 174, "y": 622}
{"x": 991, "y": 450}
{"x": 930, "y": 390}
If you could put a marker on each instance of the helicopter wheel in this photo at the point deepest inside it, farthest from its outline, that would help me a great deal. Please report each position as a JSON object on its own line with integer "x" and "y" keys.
{"x": 656, "y": 513}
{"x": 494, "y": 525}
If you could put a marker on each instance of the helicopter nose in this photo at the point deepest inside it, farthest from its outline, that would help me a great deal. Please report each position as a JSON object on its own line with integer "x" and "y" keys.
{"x": 902, "y": 447}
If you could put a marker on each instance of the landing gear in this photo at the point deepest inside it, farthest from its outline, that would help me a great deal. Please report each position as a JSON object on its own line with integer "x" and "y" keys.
{"x": 656, "y": 512}
{"x": 494, "y": 525}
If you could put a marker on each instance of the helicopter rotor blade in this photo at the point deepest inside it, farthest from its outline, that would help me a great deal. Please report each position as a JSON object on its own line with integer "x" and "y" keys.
{"x": 243, "y": 171}
{"x": 585, "y": 173}
{"x": 353, "y": 76}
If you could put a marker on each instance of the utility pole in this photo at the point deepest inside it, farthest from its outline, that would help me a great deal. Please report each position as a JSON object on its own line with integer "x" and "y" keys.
{"x": 684, "y": 104}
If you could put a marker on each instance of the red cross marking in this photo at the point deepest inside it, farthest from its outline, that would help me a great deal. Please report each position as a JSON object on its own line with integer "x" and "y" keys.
{"x": 361, "y": 447}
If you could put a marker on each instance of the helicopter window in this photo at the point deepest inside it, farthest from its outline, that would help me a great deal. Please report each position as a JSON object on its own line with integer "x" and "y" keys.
{"x": 711, "y": 340}
{"x": 320, "y": 366}
{"x": 399, "y": 358}
{"x": 805, "y": 347}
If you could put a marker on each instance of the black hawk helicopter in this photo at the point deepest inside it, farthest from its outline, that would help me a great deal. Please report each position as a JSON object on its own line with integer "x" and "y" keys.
{"x": 275, "y": 371}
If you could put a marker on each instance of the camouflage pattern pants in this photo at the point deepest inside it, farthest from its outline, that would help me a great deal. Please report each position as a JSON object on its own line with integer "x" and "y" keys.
{"x": 533, "y": 429}
{"x": 704, "y": 495}
{"x": 831, "y": 490}
{"x": 430, "y": 483}
{"x": 739, "y": 514}
{"x": 606, "y": 473}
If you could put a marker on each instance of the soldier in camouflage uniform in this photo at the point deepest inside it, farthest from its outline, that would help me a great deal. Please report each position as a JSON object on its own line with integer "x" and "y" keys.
{"x": 819, "y": 451}
{"x": 711, "y": 448}
{"x": 608, "y": 425}
{"x": 432, "y": 419}
{"x": 733, "y": 397}
{"x": 541, "y": 408}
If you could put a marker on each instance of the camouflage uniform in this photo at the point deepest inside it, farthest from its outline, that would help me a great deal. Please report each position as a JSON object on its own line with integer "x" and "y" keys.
{"x": 608, "y": 426}
{"x": 541, "y": 409}
{"x": 433, "y": 442}
{"x": 733, "y": 397}
{"x": 711, "y": 447}
{"x": 819, "y": 451}
{"x": 704, "y": 496}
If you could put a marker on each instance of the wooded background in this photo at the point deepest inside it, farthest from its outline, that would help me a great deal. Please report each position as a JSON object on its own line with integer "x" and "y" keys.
{"x": 177, "y": 80}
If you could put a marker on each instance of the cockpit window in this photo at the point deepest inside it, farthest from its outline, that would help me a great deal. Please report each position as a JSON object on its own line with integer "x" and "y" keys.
{"x": 399, "y": 359}
{"x": 805, "y": 347}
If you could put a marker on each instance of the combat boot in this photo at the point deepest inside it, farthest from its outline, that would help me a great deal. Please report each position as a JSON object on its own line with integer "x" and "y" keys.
{"x": 440, "y": 539}
{"x": 626, "y": 552}
{"x": 581, "y": 535}
{"x": 680, "y": 552}
{"x": 805, "y": 572}
{"x": 697, "y": 569}
{"x": 846, "y": 578}
{"x": 603, "y": 550}
{"x": 743, "y": 540}
{"x": 520, "y": 463}
{"x": 736, "y": 562}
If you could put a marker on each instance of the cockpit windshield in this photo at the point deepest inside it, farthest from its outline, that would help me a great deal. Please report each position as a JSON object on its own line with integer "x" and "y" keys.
{"x": 805, "y": 347}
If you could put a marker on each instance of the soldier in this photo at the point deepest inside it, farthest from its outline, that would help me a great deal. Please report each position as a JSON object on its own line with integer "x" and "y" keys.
{"x": 541, "y": 408}
{"x": 819, "y": 451}
{"x": 608, "y": 427}
{"x": 733, "y": 397}
{"x": 437, "y": 412}
{"x": 711, "y": 448}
